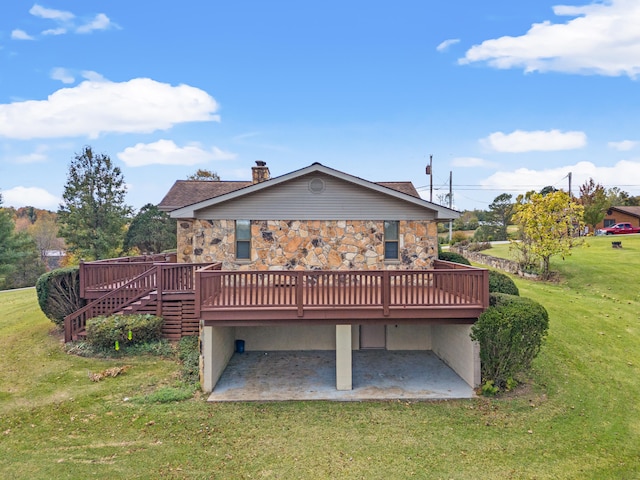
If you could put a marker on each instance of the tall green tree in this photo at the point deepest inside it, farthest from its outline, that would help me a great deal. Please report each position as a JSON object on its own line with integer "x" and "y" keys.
{"x": 93, "y": 213}
{"x": 548, "y": 226}
{"x": 20, "y": 265}
{"x": 496, "y": 219}
{"x": 620, "y": 198}
{"x": 151, "y": 231}
{"x": 7, "y": 252}
{"x": 593, "y": 198}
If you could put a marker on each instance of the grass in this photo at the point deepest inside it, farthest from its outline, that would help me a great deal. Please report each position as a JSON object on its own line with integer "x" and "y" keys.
{"x": 579, "y": 416}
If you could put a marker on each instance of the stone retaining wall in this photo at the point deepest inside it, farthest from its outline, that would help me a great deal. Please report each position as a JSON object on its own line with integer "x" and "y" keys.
{"x": 509, "y": 266}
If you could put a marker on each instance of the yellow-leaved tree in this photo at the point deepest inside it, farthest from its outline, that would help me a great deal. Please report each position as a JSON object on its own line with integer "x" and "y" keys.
{"x": 549, "y": 225}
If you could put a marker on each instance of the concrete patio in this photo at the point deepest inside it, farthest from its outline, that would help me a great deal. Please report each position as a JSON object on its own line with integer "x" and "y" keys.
{"x": 311, "y": 375}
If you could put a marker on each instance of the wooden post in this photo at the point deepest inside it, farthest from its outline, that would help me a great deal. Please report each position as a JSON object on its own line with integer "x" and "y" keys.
{"x": 299, "y": 294}
{"x": 386, "y": 294}
{"x": 159, "y": 288}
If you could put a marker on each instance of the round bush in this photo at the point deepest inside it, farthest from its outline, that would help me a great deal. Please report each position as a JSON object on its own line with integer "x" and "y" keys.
{"x": 501, "y": 283}
{"x": 453, "y": 257}
{"x": 104, "y": 332}
{"x": 510, "y": 333}
{"x": 59, "y": 293}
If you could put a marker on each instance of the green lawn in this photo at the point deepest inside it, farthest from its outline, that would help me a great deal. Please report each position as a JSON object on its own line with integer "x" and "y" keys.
{"x": 578, "y": 418}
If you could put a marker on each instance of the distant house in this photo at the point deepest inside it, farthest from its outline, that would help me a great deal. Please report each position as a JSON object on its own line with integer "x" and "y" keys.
{"x": 315, "y": 259}
{"x": 621, "y": 214}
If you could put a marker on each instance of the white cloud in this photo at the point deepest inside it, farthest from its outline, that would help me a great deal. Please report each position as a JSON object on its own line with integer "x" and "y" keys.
{"x": 55, "y": 31}
{"x": 624, "y": 174}
{"x": 18, "y": 34}
{"x": 602, "y": 39}
{"x": 468, "y": 162}
{"x": 93, "y": 107}
{"x": 623, "y": 146}
{"x": 100, "y": 22}
{"x": 93, "y": 76}
{"x": 51, "y": 14}
{"x": 62, "y": 74}
{"x": 29, "y": 196}
{"x": 39, "y": 155}
{"x": 166, "y": 152}
{"x": 535, "y": 141}
{"x": 444, "y": 46}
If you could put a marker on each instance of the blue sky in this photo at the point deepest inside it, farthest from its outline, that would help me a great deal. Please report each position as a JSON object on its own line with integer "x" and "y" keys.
{"x": 508, "y": 96}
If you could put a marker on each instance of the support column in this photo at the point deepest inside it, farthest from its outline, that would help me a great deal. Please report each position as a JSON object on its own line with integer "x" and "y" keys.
{"x": 343, "y": 357}
{"x": 206, "y": 358}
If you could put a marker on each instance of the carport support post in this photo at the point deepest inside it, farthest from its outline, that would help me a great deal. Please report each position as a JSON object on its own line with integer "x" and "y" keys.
{"x": 343, "y": 357}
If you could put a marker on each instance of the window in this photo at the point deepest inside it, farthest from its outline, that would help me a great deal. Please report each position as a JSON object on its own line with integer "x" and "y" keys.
{"x": 609, "y": 222}
{"x": 391, "y": 240}
{"x": 243, "y": 239}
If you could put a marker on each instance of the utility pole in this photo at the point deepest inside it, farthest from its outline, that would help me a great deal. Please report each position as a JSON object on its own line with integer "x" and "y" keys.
{"x": 569, "y": 184}
{"x": 430, "y": 173}
{"x": 450, "y": 204}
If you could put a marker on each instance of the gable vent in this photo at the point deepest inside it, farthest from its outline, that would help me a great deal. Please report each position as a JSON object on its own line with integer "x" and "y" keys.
{"x": 316, "y": 185}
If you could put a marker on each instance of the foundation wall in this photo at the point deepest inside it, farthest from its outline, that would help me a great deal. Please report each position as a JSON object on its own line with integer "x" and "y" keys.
{"x": 409, "y": 337}
{"x": 217, "y": 347}
{"x": 453, "y": 344}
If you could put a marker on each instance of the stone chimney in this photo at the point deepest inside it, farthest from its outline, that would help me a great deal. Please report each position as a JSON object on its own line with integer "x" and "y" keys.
{"x": 260, "y": 172}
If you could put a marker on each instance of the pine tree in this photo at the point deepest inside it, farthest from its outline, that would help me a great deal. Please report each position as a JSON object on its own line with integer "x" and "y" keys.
{"x": 93, "y": 214}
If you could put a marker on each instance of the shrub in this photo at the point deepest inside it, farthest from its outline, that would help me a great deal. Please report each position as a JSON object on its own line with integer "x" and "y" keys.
{"x": 479, "y": 246}
{"x": 189, "y": 355}
{"x": 104, "y": 332}
{"x": 453, "y": 257}
{"x": 501, "y": 283}
{"x": 59, "y": 293}
{"x": 458, "y": 237}
{"x": 510, "y": 333}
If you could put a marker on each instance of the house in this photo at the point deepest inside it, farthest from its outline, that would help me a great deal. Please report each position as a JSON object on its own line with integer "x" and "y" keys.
{"x": 620, "y": 214}
{"x": 313, "y": 232}
{"x": 316, "y": 259}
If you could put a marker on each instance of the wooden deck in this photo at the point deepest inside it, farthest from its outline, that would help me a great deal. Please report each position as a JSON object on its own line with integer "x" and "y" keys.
{"x": 184, "y": 294}
{"x": 451, "y": 295}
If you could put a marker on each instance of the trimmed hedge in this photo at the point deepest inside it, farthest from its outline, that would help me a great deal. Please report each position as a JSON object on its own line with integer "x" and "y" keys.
{"x": 453, "y": 257}
{"x": 510, "y": 333}
{"x": 59, "y": 293}
{"x": 104, "y": 332}
{"x": 501, "y": 283}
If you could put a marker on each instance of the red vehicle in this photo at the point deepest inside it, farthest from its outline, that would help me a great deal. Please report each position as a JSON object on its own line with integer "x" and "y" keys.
{"x": 619, "y": 228}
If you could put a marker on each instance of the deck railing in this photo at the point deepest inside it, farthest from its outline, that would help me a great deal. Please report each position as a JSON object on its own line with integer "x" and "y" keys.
{"x": 121, "y": 283}
{"x": 299, "y": 290}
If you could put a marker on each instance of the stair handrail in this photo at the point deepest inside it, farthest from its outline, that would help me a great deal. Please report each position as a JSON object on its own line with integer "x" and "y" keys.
{"x": 77, "y": 320}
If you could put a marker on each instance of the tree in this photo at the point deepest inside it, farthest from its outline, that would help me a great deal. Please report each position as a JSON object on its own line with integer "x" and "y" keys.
{"x": 151, "y": 231}
{"x": 202, "y": 174}
{"x": 19, "y": 262}
{"x": 7, "y": 252}
{"x": 93, "y": 214}
{"x": 26, "y": 266}
{"x": 45, "y": 234}
{"x": 548, "y": 224}
{"x": 620, "y": 198}
{"x": 594, "y": 200}
{"x": 500, "y": 213}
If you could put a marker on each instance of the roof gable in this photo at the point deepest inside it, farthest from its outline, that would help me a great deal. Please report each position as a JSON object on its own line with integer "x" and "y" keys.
{"x": 633, "y": 211}
{"x": 402, "y": 191}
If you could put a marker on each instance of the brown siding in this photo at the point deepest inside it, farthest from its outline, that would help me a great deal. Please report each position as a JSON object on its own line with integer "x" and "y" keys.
{"x": 620, "y": 217}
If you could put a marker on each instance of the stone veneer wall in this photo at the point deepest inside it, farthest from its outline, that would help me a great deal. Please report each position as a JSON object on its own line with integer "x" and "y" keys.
{"x": 307, "y": 245}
